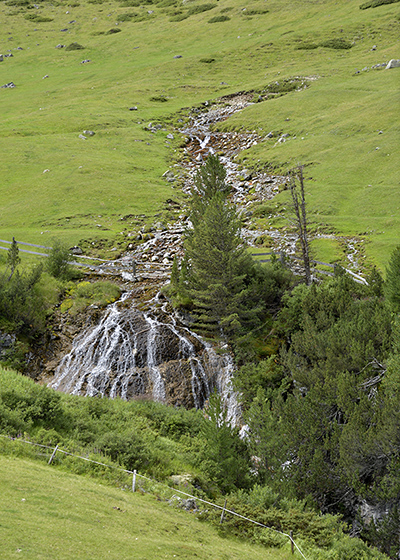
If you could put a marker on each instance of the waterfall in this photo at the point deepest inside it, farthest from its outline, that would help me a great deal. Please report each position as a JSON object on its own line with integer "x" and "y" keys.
{"x": 132, "y": 353}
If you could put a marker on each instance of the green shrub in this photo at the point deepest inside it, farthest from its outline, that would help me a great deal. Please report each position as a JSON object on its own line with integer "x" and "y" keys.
{"x": 200, "y": 8}
{"x": 17, "y": 3}
{"x": 254, "y": 12}
{"x": 74, "y": 47}
{"x": 159, "y": 98}
{"x": 218, "y": 19}
{"x": 87, "y": 293}
{"x": 179, "y": 17}
{"x": 57, "y": 263}
{"x": 207, "y": 60}
{"x": 337, "y": 43}
{"x": 376, "y": 3}
{"x": 112, "y": 31}
{"x": 37, "y": 18}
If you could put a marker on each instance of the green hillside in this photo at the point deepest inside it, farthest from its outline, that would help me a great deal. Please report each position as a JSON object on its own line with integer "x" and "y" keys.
{"x": 342, "y": 126}
{"x": 46, "y": 514}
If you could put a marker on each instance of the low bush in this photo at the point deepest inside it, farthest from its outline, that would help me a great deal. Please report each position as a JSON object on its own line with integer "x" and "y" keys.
{"x": 207, "y": 60}
{"x": 112, "y": 31}
{"x": 376, "y": 3}
{"x": 74, "y": 47}
{"x": 37, "y": 18}
{"x": 127, "y": 17}
{"x": 201, "y": 8}
{"x": 337, "y": 43}
{"x": 218, "y": 19}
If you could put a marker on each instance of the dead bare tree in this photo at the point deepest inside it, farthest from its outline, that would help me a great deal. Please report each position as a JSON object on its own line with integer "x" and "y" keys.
{"x": 299, "y": 204}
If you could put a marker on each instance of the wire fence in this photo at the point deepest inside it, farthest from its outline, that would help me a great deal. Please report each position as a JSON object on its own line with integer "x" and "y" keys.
{"x": 284, "y": 257}
{"x": 55, "y": 450}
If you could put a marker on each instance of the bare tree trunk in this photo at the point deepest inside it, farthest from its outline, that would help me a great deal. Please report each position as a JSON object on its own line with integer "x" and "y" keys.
{"x": 299, "y": 204}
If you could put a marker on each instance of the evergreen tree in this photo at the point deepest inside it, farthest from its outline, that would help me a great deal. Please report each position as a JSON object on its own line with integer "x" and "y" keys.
{"x": 219, "y": 267}
{"x": 392, "y": 284}
{"x": 225, "y": 458}
{"x": 13, "y": 258}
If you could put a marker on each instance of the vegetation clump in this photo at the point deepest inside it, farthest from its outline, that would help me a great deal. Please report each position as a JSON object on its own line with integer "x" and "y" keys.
{"x": 376, "y": 3}
{"x": 74, "y": 47}
{"x": 219, "y": 19}
{"x": 337, "y": 43}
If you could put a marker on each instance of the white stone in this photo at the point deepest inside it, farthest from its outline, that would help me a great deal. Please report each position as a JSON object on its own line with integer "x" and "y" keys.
{"x": 394, "y": 63}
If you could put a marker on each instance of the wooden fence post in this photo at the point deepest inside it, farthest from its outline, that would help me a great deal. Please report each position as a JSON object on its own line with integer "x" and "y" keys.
{"x": 222, "y": 514}
{"x": 134, "y": 480}
{"x": 53, "y": 454}
{"x": 291, "y": 541}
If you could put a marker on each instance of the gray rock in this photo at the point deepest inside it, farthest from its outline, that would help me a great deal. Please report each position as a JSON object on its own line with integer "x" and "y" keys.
{"x": 133, "y": 108}
{"x": 270, "y": 135}
{"x": 10, "y": 85}
{"x": 394, "y": 63}
{"x": 60, "y": 46}
{"x": 8, "y": 55}
{"x": 1, "y": 58}
{"x": 88, "y": 132}
{"x": 85, "y": 61}
{"x": 374, "y": 48}
{"x": 82, "y": 137}
{"x": 75, "y": 250}
{"x": 44, "y": 77}
{"x": 178, "y": 56}
{"x": 170, "y": 136}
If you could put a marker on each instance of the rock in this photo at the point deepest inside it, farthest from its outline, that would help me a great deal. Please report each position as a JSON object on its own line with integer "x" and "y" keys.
{"x": 270, "y": 135}
{"x": 20, "y": 49}
{"x": 133, "y": 108}
{"x": 10, "y": 85}
{"x": 1, "y": 58}
{"x": 394, "y": 63}
{"x": 178, "y": 56}
{"x": 85, "y": 61}
{"x": 75, "y": 250}
{"x": 170, "y": 136}
{"x": 150, "y": 12}
{"x": 63, "y": 29}
{"x": 60, "y": 46}
{"x": 374, "y": 48}
{"x": 44, "y": 77}
{"x": 88, "y": 132}
{"x": 82, "y": 137}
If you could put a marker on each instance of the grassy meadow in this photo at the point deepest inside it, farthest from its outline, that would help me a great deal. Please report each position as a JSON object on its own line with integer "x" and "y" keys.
{"x": 46, "y": 514}
{"x": 55, "y": 184}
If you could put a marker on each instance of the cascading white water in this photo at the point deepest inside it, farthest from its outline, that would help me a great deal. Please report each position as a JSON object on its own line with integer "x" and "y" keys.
{"x": 131, "y": 353}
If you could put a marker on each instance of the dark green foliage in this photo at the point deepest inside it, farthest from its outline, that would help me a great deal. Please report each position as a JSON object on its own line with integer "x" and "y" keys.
{"x": 200, "y": 8}
{"x": 376, "y": 3}
{"x": 17, "y": 3}
{"x": 254, "y": 12}
{"x": 37, "y": 18}
{"x": 113, "y": 30}
{"x": 226, "y": 459}
{"x": 337, "y": 43}
{"x": 58, "y": 261}
{"x": 159, "y": 98}
{"x": 207, "y": 60}
{"x": 284, "y": 86}
{"x": 266, "y": 375}
{"x": 24, "y": 404}
{"x": 218, "y": 19}
{"x": 74, "y": 47}
{"x": 327, "y": 421}
{"x": 209, "y": 181}
{"x": 22, "y": 308}
{"x": 392, "y": 284}
{"x": 13, "y": 258}
{"x": 179, "y": 16}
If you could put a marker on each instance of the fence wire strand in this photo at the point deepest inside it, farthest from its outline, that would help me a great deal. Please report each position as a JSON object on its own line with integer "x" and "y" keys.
{"x": 58, "y": 449}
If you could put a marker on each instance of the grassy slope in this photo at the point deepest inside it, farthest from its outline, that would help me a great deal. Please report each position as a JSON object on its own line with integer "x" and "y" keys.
{"x": 352, "y": 186}
{"x": 46, "y": 514}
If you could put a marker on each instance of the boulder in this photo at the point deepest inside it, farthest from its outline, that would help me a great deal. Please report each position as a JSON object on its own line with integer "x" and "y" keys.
{"x": 394, "y": 63}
